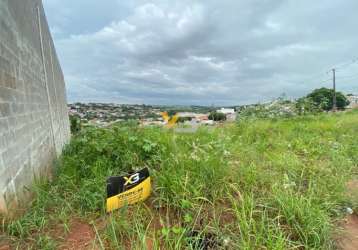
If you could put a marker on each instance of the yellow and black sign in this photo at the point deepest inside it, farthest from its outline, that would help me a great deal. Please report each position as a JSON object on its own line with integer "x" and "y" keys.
{"x": 129, "y": 189}
{"x": 170, "y": 121}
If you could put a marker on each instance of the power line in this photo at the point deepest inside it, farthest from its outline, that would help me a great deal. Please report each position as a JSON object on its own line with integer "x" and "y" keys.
{"x": 334, "y": 70}
{"x": 349, "y": 77}
{"x": 312, "y": 78}
{"x": 327, "y": 80}
{"x": 343, "y": 65}
{"x": 347, "y": 64}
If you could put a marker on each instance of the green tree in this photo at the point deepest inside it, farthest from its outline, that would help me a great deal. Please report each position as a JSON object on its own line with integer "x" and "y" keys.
{"x": 306, "y": 105}
{"x": 323, "y": 99}
{"x": 75, "y": 124}
{"x": 184, "y": 119}
{"x": 216, "y": 116}
{"x": 172, "y": 112}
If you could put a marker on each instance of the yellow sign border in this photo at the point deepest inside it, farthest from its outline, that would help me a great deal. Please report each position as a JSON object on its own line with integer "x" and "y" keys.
{"x": 138, "y": 193}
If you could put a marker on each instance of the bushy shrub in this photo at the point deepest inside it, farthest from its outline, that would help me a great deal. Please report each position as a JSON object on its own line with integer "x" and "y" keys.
{"x": 274, "y": 110}
{"x": 75, "y": 124}
{"x": 217, "y": 116}
{"x": 306, "y": 105}
{"x": 323, "y": 99}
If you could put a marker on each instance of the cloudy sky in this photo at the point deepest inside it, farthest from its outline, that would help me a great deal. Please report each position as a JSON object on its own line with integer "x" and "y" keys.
{"x": 219, "y": 52}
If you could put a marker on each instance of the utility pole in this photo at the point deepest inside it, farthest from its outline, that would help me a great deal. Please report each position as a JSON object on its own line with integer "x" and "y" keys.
{"x": 334, "y": 91}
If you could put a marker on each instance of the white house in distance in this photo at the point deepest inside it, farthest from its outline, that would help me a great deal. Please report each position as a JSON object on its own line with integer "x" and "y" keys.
{"x": 230, "y": 113}
{"x": 353, "y": 101}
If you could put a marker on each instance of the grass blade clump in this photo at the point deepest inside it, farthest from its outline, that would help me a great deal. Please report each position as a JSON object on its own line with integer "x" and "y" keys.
{"x": 257, "y": 184}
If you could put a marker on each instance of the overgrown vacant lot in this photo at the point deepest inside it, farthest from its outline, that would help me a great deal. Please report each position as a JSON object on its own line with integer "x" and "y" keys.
{"x": 259, "y": 184}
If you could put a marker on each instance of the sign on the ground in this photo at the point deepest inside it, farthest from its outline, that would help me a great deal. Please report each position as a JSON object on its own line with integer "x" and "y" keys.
{"x": 169, "y": 121}
{"x": 128, "y": 189}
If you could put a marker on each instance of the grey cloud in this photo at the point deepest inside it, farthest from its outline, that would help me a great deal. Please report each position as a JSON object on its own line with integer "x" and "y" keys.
{"x": 195, "y": 52}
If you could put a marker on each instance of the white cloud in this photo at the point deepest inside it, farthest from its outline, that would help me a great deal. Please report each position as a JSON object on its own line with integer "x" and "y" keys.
{"x": 224, "y": 52}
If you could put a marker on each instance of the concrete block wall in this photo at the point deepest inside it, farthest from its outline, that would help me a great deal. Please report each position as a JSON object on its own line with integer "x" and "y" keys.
{"x": 34, "y": 124}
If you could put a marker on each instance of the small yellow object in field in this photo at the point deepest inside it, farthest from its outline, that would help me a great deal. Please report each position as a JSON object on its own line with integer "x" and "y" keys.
{"x": 165, "y": 116}
{"x": 129, "y": 189}
{"x": 170, "y": 121}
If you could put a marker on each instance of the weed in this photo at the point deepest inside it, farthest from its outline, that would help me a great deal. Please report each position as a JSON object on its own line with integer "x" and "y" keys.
{"x": 258, "y": 184}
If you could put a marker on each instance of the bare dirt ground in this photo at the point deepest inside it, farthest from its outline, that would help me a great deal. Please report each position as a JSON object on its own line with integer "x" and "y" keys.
{"x": 349, "y": 237}
{"x": 80, "y": 237}
{"x": 349, "y": 240}
{"x": 5, "y": 247}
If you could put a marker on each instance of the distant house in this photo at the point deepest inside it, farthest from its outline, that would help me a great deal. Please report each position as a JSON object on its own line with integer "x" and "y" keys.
{"x": 230, "y": 113}
{"x": 194, "y": 116}
{"x": 207, "y": 122}
{"x": 187, "y": 114}
{"x": 353, "y": 101}
{"x": 152, "y": 123}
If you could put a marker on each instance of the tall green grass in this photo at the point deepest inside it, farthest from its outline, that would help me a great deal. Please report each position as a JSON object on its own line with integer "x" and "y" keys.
{"x": 257, "y": 184}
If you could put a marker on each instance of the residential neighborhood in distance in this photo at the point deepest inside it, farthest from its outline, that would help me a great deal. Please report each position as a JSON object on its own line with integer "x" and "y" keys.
{"x": 353, "y": 101}
{"x": 105, "y": 114}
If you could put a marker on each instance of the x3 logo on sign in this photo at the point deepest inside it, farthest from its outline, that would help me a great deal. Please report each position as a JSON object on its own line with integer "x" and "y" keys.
{"x": 127, "y": 189}
{"x": 131, "y": 179}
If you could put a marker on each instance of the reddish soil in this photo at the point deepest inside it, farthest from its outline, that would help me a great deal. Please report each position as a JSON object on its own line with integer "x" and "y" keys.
{"x": 80, "y": 237}
{"x": 4, "y": 242}
{"x": 227, "y": 218}
{"x": 149, "y": 243}
{"x": 349, "y": 238}
{"x": 5, "y": 247}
